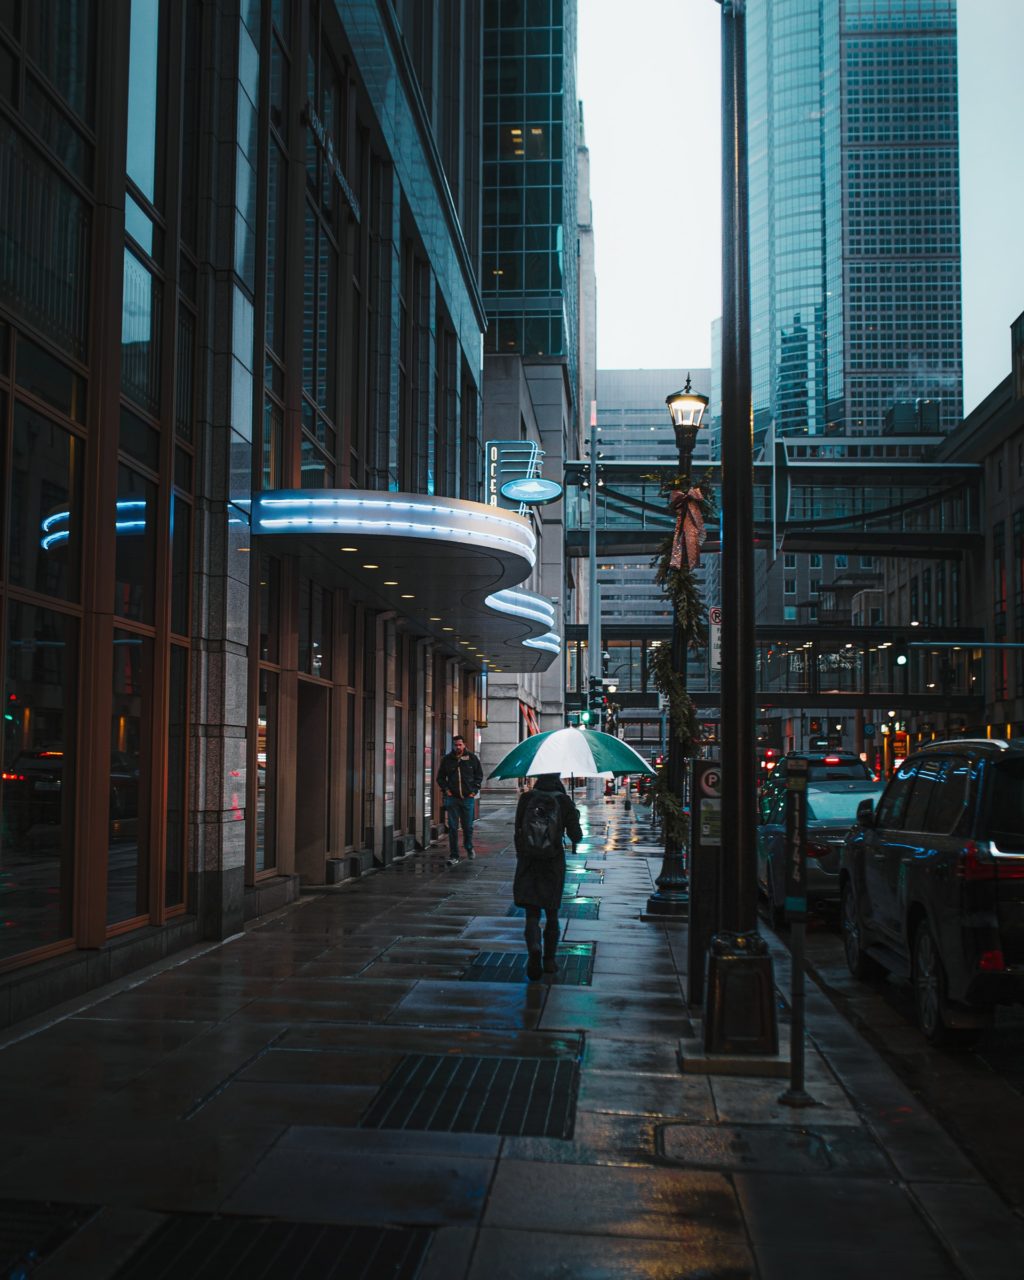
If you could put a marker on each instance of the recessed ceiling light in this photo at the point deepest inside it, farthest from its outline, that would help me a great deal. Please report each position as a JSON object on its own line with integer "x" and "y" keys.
{"x": 390, "y": 582}
{"x": 350, "y": 548}
{"x": 435, "y": 619}
{"x": 371, "y": 566}
{"x": 447, "y": 628}
{"x": 408, "y": 596}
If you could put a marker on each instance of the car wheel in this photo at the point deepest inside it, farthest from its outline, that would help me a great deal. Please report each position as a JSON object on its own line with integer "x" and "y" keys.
{"x": 929, "y": 979}
{"x": 863, "y": 967}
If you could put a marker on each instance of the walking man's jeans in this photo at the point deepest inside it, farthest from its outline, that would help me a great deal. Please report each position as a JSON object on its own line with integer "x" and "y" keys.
{"x": 459, "y": 811}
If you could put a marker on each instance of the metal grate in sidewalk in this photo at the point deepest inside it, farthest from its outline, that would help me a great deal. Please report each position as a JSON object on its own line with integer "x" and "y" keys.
{"x": 571, "y": 909}
{"x": 207, "y": 1247}
{"x": 575, "y": 966}
{"x": 30, "y": 1230}
{"x": 520, "y": 1097}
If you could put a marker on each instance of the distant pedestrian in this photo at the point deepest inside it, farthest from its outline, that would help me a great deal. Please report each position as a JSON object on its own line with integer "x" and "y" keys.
{"x": 544, "y": 815}
{"x": 460, "y": 776}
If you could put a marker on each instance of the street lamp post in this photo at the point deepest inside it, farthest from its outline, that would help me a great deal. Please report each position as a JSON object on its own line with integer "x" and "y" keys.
{"x": 740, "y": 1003}
{"x": 672, "y": 897}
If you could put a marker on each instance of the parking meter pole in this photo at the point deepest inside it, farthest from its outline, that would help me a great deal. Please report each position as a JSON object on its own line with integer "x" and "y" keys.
{"x": 796, "y": 913}
{"x": 705, "y": 860}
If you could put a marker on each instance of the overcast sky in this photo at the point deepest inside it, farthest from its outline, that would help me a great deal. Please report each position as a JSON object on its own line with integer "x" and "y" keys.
{"x": 651, "y": 105}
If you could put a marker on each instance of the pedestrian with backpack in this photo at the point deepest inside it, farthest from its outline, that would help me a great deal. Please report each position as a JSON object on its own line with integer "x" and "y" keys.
{"x": 544, "y": 815}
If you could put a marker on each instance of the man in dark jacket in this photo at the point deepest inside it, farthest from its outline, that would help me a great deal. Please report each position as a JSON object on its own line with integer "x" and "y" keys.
{"x": 540, "y": 878}
{"x": 460, "y": 776}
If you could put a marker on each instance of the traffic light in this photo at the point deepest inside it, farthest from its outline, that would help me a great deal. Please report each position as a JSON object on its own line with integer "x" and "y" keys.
{"x": 900, "y": 653}
{"x": 585, "y": 716}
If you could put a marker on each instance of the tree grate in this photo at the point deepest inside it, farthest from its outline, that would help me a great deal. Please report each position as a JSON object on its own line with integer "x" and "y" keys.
{"x": 519, "y": 1097}
{"x": 575, "y": 966}
{"x": 571, "y": 909}
{"x": 30, "y": 1230}
{"x": 208, "y": 1247}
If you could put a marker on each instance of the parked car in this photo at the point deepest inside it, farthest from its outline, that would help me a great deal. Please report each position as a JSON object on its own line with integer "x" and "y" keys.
{"x": 822, "y": 766}
{"x": 932, "y": 884}
{"x": 831, "y": 812}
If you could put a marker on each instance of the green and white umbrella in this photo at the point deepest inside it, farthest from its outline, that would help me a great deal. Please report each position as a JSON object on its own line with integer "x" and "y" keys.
{"x": 571, "y": 753}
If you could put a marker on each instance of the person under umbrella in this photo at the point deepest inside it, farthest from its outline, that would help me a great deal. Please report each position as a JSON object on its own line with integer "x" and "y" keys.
{"x": 544, "y": 815}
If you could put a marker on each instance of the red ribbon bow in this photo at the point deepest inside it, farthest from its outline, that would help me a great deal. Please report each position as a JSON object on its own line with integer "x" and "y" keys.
{"x": 689, "y": 530}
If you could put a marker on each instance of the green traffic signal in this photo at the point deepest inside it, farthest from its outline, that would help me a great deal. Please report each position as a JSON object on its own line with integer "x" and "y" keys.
{"x": 584, "y": 717}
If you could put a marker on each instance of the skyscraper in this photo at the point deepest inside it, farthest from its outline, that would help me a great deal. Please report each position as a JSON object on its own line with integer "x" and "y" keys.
{"x": 529, "y": 198}
{"x": 854, "y": 212}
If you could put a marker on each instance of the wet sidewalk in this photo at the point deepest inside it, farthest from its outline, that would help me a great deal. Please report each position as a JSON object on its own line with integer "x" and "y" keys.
{"x": 367, "y": 1086}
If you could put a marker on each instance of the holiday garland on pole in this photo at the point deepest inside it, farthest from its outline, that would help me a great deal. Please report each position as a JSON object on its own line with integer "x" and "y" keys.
{"x": 674, "y": 563}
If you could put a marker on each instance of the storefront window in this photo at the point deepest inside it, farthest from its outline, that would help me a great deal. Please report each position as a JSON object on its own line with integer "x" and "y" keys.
{"x": 140, "y": 334}
{"x": 45, "y": 511}
{"x": 37, "y": 786}
{"x": 143, "y": 67}
{"x": 181, "y": 563}
{"x": 177, "y": 770}
{"x": 266, "y": 772}
{"x": 130, "y": 726}
{"x": 135, "y": 523}
{"x": 316, "y": 617}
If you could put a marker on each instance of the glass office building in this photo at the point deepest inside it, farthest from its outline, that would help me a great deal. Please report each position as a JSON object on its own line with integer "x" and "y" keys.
{"x": 529, "y": 274}
{"x": 854, "y": 214}
{"x": 240, "y": 370}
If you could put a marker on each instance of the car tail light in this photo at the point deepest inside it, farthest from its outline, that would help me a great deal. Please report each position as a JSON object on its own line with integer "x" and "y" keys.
{"x": 991, "y": 962}
{"x": 815, "y": 850}
{"x": 832, "y": 760}
{"x": 973, "y": 866}
{"x": 12, "y": 777}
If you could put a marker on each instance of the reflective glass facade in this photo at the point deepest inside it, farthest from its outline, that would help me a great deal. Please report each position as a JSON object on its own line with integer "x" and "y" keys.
{"x": 238, "y": 252}
{"x": 854, "y": 216}
{"x": 529, "y": 274}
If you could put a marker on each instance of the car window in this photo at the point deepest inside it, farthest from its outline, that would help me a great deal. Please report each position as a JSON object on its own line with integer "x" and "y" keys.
{"x": 929, "y": 773}
{"x": 893, "y": 803}
{"x": 821, "y": 772}
{"x": 1006, "y": 805}
{"x": 948, "y": 810}
{"x": 835, "y": 806}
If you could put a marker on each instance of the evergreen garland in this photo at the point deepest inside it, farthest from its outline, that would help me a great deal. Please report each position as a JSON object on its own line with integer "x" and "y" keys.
{"x": 688, "y": 607}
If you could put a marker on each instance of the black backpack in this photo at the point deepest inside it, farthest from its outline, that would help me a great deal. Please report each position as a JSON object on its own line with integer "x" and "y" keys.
{"x": 541, "y": 829}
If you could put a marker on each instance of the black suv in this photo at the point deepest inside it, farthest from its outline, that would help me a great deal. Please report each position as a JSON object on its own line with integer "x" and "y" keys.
{"x": 932, "y": 883}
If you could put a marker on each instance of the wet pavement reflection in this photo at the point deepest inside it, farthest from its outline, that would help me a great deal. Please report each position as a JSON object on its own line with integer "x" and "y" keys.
{"x": 261, "y": 1079}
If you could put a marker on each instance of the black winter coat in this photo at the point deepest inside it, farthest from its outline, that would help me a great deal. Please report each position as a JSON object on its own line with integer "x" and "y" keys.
{"x": 539, "y": 882}
{"x": 460, "y": 775}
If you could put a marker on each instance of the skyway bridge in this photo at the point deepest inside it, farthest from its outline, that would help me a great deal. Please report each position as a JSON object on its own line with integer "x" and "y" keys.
{"x": 868, "y": 495}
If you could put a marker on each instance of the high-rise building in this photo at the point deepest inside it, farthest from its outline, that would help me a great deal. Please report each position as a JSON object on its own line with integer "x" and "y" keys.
{"x": 854, "y": 212}
{"x": 537, "y": 275}
{"x": 529, "y": 270}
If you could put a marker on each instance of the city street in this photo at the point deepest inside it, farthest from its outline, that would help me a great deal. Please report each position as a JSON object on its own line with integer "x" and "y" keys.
{"x": 366, "y": 1077}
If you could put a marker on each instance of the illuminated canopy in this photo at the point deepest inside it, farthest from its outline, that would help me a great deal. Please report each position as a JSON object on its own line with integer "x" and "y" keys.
{"x": 450, "y": 566}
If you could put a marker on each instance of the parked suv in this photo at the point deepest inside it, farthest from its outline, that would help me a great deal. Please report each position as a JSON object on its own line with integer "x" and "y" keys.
{"x": 932, "y": 883}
